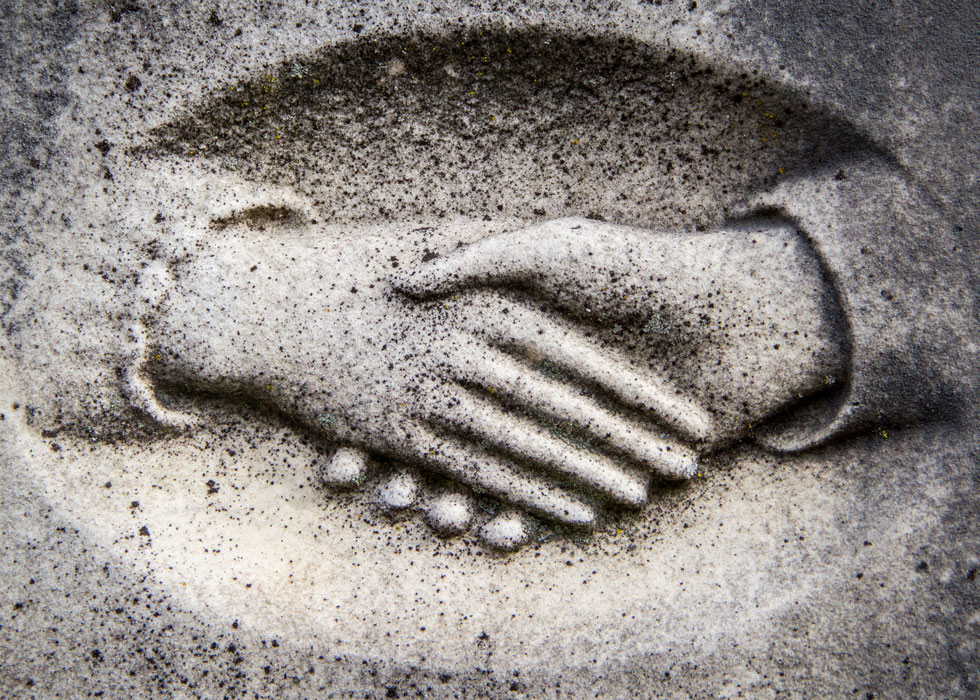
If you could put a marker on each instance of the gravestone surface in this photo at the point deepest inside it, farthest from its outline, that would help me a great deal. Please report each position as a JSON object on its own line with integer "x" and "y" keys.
{"x": 484, "y": 350}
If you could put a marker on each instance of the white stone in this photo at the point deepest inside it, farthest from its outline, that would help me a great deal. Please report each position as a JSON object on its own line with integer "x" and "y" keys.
{"x": 506, "y": 531}
{"x": 399, "y": 492}
{"x": 344, "y": 468}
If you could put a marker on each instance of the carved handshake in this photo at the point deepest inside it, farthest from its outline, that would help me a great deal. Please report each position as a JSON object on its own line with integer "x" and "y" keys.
{"x": 556, "y": 368}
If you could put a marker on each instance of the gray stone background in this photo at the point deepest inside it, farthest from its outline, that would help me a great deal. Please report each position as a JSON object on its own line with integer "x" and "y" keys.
{"x": 886, "y": 620}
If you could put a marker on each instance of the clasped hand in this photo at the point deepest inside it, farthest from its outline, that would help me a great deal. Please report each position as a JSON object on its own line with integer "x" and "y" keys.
{"x": 495, "y": 365}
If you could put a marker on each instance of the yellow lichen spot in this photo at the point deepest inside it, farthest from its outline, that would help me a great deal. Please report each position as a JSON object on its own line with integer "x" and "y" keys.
{"x": 447, "y": 306}
{"x": 619, "y": 531}
{"x": 781, "y": 171}
{"x": 157, "y": 357}
{"x": 574, "y": 140}
{"x": 699, "y": 474}
{"x": 509, "y": 51}
{"x": 493, "y": 118}
{"x": 316, "y": 81}
{"x": 268, "y": 387}
{"x": 278, "y": 136}
{"x": 472, "y": 92}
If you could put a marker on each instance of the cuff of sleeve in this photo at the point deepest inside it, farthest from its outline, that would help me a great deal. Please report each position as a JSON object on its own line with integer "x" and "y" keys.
{"x": 903, "y": 288}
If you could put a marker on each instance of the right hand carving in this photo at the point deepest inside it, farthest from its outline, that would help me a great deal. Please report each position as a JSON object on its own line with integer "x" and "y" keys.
{"x": 731, "y": 325}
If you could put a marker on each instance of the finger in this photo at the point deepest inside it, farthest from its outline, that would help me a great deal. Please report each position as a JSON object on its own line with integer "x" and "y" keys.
{"x": 533, "y": 330}
{"x": 507, "y": 531}
{"x": 469, "y": 465}
{"x": 399, "y": 491}
{"x": 502, "y": 374}
{"x": 345, "y": 468}
{"x": 525, "y": 440}
{"x": 449, "y": 513}
{"x": 501, "y": 259}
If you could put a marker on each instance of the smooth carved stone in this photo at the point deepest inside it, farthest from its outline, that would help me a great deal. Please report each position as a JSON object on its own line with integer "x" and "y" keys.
{"x": 449, "y": 513}
{"x": 608, "y": 307}
{"x": 399, "y": 492}
{"x": 507, "y": 531}
{"x": 345, "y": 468}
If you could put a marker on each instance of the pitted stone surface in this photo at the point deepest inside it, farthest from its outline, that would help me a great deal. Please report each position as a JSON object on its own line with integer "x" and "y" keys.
{"x": 174, "y": 528}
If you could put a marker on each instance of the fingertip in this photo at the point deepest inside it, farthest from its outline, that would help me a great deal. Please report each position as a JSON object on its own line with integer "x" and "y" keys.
{"x": 636, "y": 493}
{"x": 450, "y": 513}
{"x": 506, "y": 532}
{"x": 683, "y": 469}
{"x": 399, "y": 492}
{"x": 346, "y": 468}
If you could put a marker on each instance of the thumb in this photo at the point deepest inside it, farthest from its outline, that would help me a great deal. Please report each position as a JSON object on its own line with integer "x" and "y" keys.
{"x": 525, "y": 255}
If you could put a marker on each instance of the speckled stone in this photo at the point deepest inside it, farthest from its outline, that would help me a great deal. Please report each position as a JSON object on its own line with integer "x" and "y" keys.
{"x": 181, "y": 521}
